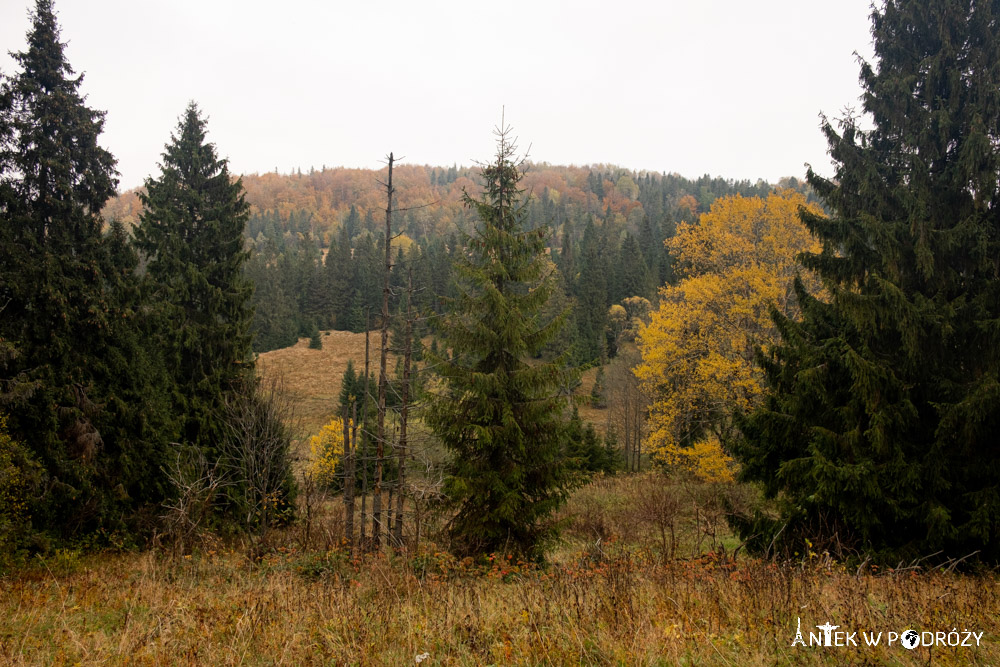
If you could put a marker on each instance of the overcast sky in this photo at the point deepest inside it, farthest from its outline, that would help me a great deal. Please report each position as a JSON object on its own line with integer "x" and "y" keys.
{"x": 726, "y": 87}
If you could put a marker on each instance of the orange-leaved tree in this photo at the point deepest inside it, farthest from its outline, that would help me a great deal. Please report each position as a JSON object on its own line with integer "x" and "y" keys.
{"x": 735, "y": 264}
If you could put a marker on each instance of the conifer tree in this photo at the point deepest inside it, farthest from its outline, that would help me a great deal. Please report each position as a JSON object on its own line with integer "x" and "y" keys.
{"x": 315, "y": 340}
{"x": 592, "y": 298}
{"x": 192, "y": 235}
{"x": 567, "y": 259}
{"x": 585, "y": 452}
{"x": 366, "y": 281}
{"x": 881, "y": 428}
{"x": 337, "y": 268}
{"x": 317, "y": 306}
{"x": 350, "y": 388}
{"x": 95, "y": 421}
{"x": 634, "y": 274}
{"x": 423, "y": 298}
{"x": 501, "y": 418}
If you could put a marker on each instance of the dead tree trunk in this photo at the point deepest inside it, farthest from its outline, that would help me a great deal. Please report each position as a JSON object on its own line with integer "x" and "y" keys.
{"x": 383, "y": 379}
{"x": 397, "y": 529}
{"x": 627, "y": 429}
{"x": 364, "y": 440}
{"x": 349, "y": 453}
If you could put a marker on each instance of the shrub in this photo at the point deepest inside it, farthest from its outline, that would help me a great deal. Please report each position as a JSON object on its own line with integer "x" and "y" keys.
{"x": 326, "y": 450}
{"x": 19, "y": 476}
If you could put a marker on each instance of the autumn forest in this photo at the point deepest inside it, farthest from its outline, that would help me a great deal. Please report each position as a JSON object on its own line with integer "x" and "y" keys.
{"x": 509, "y": 412}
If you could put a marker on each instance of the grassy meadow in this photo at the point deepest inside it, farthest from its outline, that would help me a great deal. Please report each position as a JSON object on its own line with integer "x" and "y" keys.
{"x": 646, "y": 573}
{"x": 312, "y": 377}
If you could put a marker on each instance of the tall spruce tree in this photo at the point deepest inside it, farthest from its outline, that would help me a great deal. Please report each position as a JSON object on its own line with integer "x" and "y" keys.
{"x": 337, "y": 269}
{"x": 882, "y": 426}
{"x": 633, "y": 273}
{"x": 191, "y": 232}
{"x": 95, "y": 421}
{"x": 592, "y": 297}
{"x": 501, "y": 417}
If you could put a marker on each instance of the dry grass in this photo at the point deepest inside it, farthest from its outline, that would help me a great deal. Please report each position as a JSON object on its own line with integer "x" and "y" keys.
{"x": 613, "y": 602}
{"x": 312, "y": 377}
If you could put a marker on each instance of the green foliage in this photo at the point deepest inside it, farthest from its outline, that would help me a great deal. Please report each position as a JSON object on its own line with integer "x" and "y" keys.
{"x": 501, "y": 417}
{"x": 628, "y": 216}
{"x": 191, "y": 233}
{"x": 586, "y": 452}
{"x": 315, "y": 342}
{"x": 288, "y": 298}
{"x": 880, "y": 433}
{"x": 597, "y": 392}
{"x": 20, "y": 477}
{"x": 592, "y": 297}
{"x": 96, "y": 421}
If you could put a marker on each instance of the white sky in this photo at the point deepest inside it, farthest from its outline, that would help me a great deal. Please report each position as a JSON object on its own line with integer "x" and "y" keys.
{"x": 727, "y": 87}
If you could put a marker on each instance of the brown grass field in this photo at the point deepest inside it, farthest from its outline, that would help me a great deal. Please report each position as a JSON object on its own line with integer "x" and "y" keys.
{"x": 614, "y": 602}
{"x": 312, "y": 377}
{"x": 646, "y": 572}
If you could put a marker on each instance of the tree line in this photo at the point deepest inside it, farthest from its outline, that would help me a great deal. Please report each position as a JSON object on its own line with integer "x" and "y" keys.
{"x": 312, "y": 277}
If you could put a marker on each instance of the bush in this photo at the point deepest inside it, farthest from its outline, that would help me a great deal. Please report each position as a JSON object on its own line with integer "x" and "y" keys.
{"x": 20, "y": 476}
{"x": 256, "y": 455}
{"x": 315, "y": 342}
{"x": 326, "y": 451}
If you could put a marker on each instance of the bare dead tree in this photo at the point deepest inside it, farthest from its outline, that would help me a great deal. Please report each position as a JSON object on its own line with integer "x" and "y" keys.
{"x": 425, "y": 492}
{"x": 397, "y": 530}
{"x": 255, "y": 451}
{"x": 196, "y": 486}
{"x": 350, "y": 447}
{"x": 383, "y": 380}
{"x": 391, "y": 490}
{"x": 658, "y": 505}
{"x": 627, "y": 405}
{"x": 364, "y": 436}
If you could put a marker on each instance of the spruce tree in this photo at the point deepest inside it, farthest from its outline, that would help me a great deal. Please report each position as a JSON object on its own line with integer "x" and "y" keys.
{"x": 634, "y": 275}
{"x": 350, "y": 389}
{"x": 338, "y": 270}
{"x": 95, "y": 421}
{"x": 881, "y": 429}
{"x": 191, "y": 233}
{"x": 423, "y": 297}
{"x": 592, "y": 298}
{"x": 501, "y": 417}
{"x": 315, "y": 340}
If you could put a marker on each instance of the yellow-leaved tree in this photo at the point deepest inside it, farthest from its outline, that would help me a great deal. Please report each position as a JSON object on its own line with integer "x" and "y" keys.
{"x": 326, "y": 449}
{"x": 734, "y": 264}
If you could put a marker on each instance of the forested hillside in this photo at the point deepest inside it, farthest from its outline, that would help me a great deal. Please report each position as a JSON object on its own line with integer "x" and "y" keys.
{"x": 316, "y": 240}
